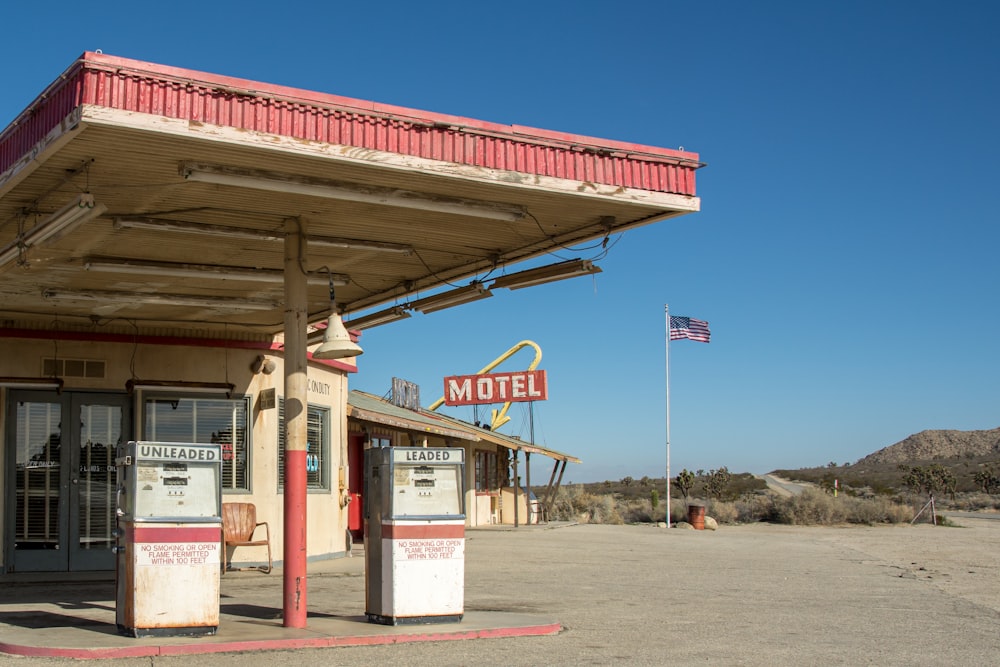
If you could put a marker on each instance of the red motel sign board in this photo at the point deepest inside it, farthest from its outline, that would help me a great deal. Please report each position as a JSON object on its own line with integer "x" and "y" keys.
{"x": 515, "y": 387}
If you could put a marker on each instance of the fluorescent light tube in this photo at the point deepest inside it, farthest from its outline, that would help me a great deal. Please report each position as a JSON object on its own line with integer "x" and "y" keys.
{"x": 161, "y": 225}
{"x": 182, "y": 386}
{"x": 378, "y": 318}
{"x": 78, "y": 211}
{"x": 208, "y": 271}
{"x": 455, "y": 297}
{"x": 286, "y": 183}
{"x": 31, "y": 383}
{"x": 546, "y": 274}
{"x": 152, "y": 298}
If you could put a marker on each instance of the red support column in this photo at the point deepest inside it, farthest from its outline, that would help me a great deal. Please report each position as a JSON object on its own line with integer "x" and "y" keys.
{"x": 296, "y": 433}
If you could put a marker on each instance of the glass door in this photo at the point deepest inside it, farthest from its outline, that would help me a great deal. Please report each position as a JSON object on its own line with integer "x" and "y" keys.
{"x": 39, "y": 503}
{"x": 93, "y": 480}
{"x": 64, "y": 479}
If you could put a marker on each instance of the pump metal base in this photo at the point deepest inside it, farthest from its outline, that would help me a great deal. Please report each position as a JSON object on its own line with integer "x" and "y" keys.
{"x": 195, "y": 631}
{"x": 413, "y": 620}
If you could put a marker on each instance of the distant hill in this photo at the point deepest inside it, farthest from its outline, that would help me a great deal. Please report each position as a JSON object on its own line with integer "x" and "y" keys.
{"x": 934, "y": 445}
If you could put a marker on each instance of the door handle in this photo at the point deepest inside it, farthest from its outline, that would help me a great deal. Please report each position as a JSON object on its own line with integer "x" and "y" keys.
{"x": 118, "y": 504}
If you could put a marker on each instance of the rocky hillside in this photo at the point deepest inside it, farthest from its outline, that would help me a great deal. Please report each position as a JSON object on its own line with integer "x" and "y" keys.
{"x": 931, "y": 445}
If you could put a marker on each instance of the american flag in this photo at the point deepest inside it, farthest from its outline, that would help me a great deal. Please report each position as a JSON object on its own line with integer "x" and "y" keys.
{"x": 690, "y": 328}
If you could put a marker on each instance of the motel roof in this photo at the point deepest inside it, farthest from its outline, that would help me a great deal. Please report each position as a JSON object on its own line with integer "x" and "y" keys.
{"x": 370, "y": 408}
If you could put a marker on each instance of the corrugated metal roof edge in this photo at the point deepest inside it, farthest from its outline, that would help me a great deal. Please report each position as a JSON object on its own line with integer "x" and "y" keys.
{"x": 250, "y": 87}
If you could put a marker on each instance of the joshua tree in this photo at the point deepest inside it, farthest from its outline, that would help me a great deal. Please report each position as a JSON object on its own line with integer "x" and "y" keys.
{"x": 930, "y": 479}
{"x": 987, "y": 480}
{"x": 717, "y": 482}
{"x": 684, "y": 481}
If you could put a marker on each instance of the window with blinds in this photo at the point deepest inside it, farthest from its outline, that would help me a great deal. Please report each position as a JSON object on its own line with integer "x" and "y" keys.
{"x": 318, "y": 447}
{"x": 205, "y": 420}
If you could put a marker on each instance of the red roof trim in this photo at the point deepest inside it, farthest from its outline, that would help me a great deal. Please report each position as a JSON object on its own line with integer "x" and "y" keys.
{"x": 172, "y": 92}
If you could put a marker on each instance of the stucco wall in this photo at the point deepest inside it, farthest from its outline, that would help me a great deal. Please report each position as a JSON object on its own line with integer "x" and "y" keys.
{"x": 327, "y": 520}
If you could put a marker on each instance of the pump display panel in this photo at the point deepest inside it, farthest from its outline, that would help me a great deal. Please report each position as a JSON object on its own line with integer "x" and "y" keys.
{"x": 173, "y": 480}
{"x": 422, "y": 490}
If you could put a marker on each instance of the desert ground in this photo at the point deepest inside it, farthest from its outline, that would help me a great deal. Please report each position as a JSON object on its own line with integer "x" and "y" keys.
{"x": 642, "y": 595}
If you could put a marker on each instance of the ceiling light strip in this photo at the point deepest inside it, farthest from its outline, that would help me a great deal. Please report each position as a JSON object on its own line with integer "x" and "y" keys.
{"x": 546, "y": 274}
{"x": 180, "y": 386}
{"x": 31, "y": 383}
{"x": 290, "y": 184}
{"x": 455, "y": 297}
{"x": 80, "y": 210}
{"x": 378, "y": 318}
{"x": 152, "y": 298}
{"x": 162, "y": 225}
{"x": 203, "y": 271}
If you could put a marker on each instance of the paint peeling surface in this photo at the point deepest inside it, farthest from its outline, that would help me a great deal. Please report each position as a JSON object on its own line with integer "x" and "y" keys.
{"x": 426, "y": 573}
{"x": 211, "y": 100}
{"x": 175, "y": 576}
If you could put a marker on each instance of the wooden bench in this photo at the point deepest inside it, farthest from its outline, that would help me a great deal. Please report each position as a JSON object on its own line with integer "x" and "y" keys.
{"x": 239, "y": 523}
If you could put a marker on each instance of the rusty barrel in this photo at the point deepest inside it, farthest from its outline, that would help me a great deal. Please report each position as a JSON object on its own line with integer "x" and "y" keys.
{"x": 696, "y": 516}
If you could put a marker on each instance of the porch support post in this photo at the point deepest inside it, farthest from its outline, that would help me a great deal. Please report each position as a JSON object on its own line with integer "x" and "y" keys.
{"x": 296, "y": 433}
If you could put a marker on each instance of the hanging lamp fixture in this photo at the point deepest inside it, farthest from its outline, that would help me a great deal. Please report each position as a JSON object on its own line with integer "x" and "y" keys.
{"x": 337, "y": 343}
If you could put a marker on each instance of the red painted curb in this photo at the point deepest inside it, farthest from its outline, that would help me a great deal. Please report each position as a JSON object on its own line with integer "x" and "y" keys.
{"x": 274, "y": 644}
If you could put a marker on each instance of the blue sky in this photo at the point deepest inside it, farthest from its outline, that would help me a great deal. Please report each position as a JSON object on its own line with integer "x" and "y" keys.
{"x": 846, "y": 251}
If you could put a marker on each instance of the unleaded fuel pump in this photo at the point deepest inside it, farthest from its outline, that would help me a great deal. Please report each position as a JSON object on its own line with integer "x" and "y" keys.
{"x": 168, "y": 538}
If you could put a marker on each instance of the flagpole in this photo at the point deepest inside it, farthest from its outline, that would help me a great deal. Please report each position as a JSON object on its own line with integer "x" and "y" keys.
{"x": 666, "y": 313}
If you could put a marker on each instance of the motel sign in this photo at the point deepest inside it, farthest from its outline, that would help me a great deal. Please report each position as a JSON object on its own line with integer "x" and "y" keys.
{"x": 519, "y": 386}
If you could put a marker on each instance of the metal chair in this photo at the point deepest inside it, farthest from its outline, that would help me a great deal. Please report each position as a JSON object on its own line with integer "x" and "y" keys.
{"x": 239, "y": 523}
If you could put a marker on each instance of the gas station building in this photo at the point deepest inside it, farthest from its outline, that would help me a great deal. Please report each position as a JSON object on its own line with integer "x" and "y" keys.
{"x": 175, "y": 245}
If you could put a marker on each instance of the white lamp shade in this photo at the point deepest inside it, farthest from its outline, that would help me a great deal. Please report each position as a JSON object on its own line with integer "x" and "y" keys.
{"x": 337, "y": 343}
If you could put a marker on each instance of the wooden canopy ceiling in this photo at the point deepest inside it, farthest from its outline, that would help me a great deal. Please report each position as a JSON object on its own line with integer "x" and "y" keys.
{"x": 183, "y": 185}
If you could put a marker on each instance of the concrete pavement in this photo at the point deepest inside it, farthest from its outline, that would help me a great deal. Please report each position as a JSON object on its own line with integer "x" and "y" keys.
{"x": 76, "y": 619}
{"x": 640, "y": 595}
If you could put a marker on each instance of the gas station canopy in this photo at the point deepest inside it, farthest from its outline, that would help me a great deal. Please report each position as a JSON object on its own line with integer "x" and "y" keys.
{"x": 160, "y": 197}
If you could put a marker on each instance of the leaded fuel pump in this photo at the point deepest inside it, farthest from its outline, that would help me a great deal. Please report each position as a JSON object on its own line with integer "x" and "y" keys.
{"x": 414, "y": 535}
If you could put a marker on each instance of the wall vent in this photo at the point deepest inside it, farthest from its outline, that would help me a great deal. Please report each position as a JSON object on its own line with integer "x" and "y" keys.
{"x": 74, "y": 368}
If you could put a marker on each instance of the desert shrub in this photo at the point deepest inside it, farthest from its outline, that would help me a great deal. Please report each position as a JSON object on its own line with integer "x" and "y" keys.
{"x": 678, "y": 512}
{"x": 811, "y": 507}
{"x": 604, "y": 510}
{"x": 755, "y": 507}
{"x": 635, "y": 511}
{"x": 575, "y": 504}
{"x": 876, "y": 510}
{"x": 571, "y": 502}
{"x": 973, "y": 502}
{"x": 722, "y": 511}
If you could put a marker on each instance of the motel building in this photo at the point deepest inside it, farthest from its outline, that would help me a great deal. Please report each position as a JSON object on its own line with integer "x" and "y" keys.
{"x": 180, "y": 252}
{"x": 491, "y": 459}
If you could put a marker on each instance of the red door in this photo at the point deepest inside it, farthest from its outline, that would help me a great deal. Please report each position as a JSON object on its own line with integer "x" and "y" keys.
{"x": 355, "y": 483}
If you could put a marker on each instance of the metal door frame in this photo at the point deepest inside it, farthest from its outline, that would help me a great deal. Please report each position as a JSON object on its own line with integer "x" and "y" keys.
{"x": 67, "y": 556}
